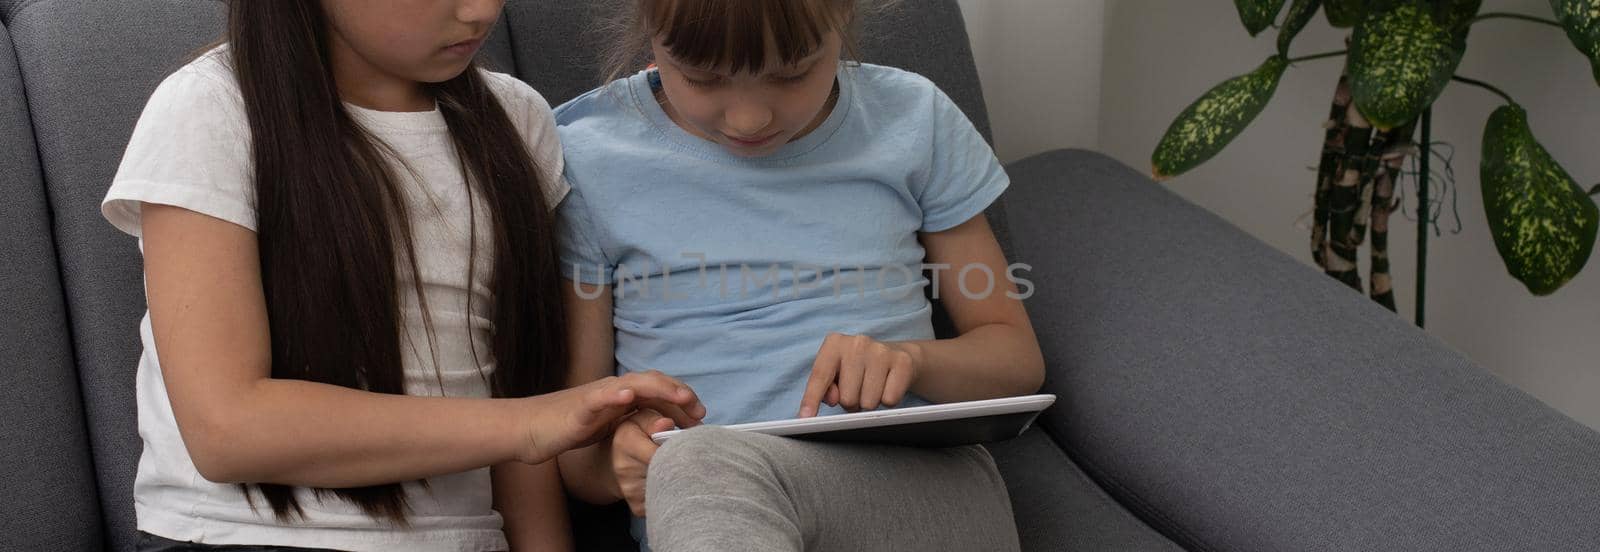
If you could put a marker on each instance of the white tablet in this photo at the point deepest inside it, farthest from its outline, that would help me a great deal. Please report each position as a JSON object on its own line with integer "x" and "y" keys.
{"x": 938, "y": 425}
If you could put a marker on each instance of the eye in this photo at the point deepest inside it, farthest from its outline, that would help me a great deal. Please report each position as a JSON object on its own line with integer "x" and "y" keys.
{"x": 792, "y": 78}
{"x": 702, "y": 82}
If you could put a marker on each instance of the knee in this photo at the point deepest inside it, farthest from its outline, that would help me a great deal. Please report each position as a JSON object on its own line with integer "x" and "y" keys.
{"x": 703, "y": 449}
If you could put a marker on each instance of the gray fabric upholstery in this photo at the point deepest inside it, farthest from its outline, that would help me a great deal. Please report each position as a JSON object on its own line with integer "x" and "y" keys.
{"x": 7, "y": 7}
{"x": 1238, "y": 400}
{"x": 557, "y": 45}
{"x": 88, "y": 68}
{"x": 1058, "y": 507}
{"x": 496, "y": 54}
{"x": 47, "y": 496}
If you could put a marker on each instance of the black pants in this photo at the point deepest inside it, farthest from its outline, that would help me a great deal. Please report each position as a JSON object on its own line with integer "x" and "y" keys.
{"x": 152, "y": 543}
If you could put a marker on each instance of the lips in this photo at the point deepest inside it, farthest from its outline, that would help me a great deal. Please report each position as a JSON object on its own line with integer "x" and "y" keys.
{"x": 753, "y": 143}
{"x": 465, "y": 46}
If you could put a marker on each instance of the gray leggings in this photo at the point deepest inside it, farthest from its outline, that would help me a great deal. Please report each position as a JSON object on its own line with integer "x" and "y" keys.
{"x": 712, "y": 489}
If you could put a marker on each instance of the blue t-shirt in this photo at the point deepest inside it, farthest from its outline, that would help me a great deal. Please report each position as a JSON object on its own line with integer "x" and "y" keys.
{"x": 729, "y": 272}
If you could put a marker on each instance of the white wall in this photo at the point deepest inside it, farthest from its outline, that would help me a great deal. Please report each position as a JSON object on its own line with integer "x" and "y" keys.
{"x": 1040, "y": 65}
{"x": 1162, "y": 54}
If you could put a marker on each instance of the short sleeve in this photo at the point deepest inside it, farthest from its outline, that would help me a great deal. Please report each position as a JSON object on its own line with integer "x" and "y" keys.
{"x": 189, "y": 149}
{"x": 538, "y": 124}
{"x": 963, "y": 177}
{"x": 583, "y": 257}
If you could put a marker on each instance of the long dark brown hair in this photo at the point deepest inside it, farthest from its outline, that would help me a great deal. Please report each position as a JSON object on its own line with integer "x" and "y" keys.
{"x": 731, "y": 33}
{"x": 334, "y": 232}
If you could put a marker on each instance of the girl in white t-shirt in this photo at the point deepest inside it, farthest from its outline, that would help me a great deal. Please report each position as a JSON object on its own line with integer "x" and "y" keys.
{"x": 349, "y": 250}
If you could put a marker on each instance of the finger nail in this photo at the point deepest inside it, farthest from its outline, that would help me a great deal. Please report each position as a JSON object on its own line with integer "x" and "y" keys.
{"x": 807, "y": 412}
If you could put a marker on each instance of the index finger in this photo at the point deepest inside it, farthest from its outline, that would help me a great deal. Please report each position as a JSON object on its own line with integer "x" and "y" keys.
{"x": 678, "y": 415}
{"x": 660, "y": 387}
{"x": 823, "y": 371}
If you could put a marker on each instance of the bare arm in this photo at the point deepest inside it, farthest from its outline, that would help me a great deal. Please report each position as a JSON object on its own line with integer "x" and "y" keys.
{"x": 530, "y": 500}
{"x": 996, "y": 353}
{"x": 209, "y": 316}
{"x": 587, "y": 472}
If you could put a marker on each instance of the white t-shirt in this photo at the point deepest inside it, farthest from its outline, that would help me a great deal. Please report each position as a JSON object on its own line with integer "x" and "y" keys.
{"x": 191, "y": 149}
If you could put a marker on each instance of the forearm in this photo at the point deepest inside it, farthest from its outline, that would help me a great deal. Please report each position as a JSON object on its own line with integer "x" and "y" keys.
{"x": 989, "y": 361}
{"x": 317, "y": 435}
{"x": 530, "y": 500}
{"x": 586, "y": 474}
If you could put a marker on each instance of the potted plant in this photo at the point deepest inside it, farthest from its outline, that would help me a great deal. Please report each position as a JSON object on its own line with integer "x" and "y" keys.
{"x": 1401, "y": 55}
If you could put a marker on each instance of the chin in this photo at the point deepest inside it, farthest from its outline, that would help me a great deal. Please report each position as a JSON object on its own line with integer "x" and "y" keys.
{"x": 441, "y": 74}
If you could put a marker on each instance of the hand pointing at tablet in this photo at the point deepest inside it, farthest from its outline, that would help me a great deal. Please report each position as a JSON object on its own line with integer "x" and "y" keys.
{"x": 859, "y": 373}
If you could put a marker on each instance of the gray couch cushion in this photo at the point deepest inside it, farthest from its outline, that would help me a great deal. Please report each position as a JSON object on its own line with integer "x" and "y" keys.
{"x": 1239, "y": 400}
{"x": 1059, "y": 508}
{"x": 88, "y": 68}
{"x": 7, "y": 7}
{"x": 47, "y": 495}
{"x": 496, "y": 54}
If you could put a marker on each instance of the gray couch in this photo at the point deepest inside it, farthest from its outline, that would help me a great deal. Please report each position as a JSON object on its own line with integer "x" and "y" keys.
{"x": 1214, "y": 394}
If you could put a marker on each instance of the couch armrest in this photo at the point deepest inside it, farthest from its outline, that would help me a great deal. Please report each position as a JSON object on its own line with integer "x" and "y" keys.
{"x": 1237, "y": 399}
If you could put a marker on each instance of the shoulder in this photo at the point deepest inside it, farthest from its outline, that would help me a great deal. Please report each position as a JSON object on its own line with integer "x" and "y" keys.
{"x": 530, "y": 114}
{"x": 512, "y": 92}
{"x": 518, "y": 97}
{"x": 598, "y": 105}
{"x": 204, "y": 89}
{"x": 882, "y": 84}
{"x": 601, "y": 125}
{"x": 902, "y": 103}
{"x": 901, "y": 99}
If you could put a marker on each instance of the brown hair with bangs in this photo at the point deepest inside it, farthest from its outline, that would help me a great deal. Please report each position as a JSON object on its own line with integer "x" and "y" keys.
{"x": 738, "y": 35}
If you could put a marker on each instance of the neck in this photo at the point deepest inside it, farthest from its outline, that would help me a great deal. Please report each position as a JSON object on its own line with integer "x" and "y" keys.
{"x": 363, "y": 84}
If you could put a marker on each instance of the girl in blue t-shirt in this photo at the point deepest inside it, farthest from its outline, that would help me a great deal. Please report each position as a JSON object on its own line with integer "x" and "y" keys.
{"x": 755, "y": 216}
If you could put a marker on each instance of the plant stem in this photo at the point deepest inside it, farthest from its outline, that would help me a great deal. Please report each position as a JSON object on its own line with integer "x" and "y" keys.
{"x": 1318, "y": 56}
{"x": 1424, "y": 209}
{"x": 1485, "y": 86}
{"x": 1508, "y": 15}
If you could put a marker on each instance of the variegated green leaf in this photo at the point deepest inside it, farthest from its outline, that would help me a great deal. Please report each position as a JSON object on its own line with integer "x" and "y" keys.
{"x": 1257, "y": 15}
{"x": 1300, "y": 13}
{"x": 1344, "y": 14}
{"x": 1401, "y": 58}
{"x": 1214, "y": 120}
{"x": 1581, "y": 19}
{"x": 1453, "y": 14}
{"x": 1543, "y": 224}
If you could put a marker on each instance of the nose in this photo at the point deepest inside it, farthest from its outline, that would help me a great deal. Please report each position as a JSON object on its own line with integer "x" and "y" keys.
{"x": 747, "y": 118}
{"x": 482, "y": 12}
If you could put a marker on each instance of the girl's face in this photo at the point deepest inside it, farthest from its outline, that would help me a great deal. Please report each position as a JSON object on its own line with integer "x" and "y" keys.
{"x": 751, "y": 115}
{"x": 401, "y": 41}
